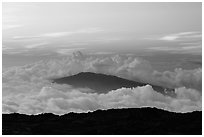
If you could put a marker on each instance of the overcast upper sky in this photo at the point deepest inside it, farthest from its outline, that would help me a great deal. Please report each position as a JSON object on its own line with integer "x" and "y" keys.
{"x": 61, "y": 28}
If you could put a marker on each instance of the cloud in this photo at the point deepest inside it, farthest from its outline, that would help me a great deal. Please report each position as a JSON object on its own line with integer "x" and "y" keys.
{"x": 124, "y": 66}
{"x": 28, "y": 89}
{"x": 103, "y": 53}
{"x": 10, "y": 26}
{"x": 179, "y": 43}
{"x": 13, "y": 51}
{"x": 31, "y": 46}
{"x": 50, "y": 99}
{"x": 5, "y": 48}
{"x": 59, "y": 34}
{"x": 179, "y": 78}
{"x": 193, "y": 50}
{"x": 56, "y": 34}
{"x": 66, "y": 51}
{"x": 191, "y": 47}
{"x": 182, "y": 49}
{"x": 181, "y": 36}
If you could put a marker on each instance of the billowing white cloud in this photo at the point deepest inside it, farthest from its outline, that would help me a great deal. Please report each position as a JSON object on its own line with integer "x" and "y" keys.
{"x": 28, "y": 89}
{"x": 179, "y": 78}
{"x": 51, "y": 99}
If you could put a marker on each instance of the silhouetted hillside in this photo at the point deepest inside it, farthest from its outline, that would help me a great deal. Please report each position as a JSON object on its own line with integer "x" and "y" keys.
{"x": 105, "y": 122}
{"x": 103, "y": 83}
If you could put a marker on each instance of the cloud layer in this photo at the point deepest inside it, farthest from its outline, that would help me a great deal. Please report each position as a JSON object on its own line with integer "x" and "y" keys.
{"x": 28, "y": 89}
{"x": 51, "y": 99}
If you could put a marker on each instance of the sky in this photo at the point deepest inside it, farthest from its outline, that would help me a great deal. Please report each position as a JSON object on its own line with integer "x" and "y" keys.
{"x": 41, "y": 30}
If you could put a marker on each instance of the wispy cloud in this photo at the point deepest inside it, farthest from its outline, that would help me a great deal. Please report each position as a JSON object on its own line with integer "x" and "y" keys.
{"x": 10, "y": 26}
{"x": 192, "y": 43}
{"x": 183, "y": 42}
{"x": 173, "y": 48}
{"x": 185, "y": 49}
{"x": 103, "y": 53}
{"x": 5, "y": 48}
{"x": 56, "y": 34}
{"x": 60, "y": 34}
{"x": 191, "y": 47}
{"x": 36, "y": 45}
{"x": 68, "y": 51}
{"x": 15, "y": 51}
{"x": 181, "y": 36}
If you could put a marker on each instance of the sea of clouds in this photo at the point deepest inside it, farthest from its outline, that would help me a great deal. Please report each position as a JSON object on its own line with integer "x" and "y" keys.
{"x": 28, "y": 89}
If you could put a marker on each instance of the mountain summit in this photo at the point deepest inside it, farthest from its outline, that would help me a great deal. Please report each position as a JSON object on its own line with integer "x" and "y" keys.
{"x": 102, "y": 83}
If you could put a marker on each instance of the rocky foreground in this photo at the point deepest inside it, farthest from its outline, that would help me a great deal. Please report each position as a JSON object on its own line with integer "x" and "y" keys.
{"x": 132, "y": 121}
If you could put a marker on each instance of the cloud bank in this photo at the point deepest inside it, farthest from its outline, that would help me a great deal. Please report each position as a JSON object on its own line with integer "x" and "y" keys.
{"x": 28, "y": 89}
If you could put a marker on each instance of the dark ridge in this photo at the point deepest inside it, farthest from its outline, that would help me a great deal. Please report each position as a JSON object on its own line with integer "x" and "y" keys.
{"x": 131, "y": 121}
{"x": 102, "y": 83}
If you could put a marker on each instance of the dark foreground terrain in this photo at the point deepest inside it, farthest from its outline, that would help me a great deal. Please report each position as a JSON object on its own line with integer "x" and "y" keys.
{"x": 141, "y": 121}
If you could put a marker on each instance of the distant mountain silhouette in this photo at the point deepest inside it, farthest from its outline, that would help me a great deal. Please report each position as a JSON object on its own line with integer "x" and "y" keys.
{"x": 131, "y": 121}
{"x": 102, "y": 83}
